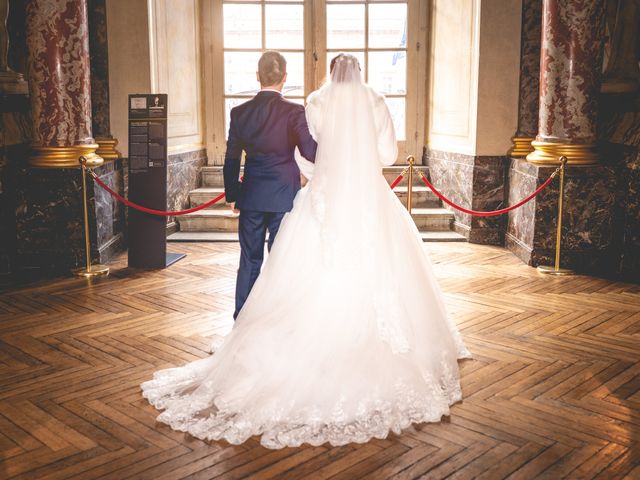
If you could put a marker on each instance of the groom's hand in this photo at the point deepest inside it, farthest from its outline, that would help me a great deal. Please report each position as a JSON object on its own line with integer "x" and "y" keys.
{"x": 233, "y": 208}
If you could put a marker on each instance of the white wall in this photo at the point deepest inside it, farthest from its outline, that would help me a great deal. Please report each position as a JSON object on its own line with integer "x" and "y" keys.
{"x": 498, "y": 75}
{"x": 474, "y": 65}
{"x": 154, "y": 47}
{"x": 129, "y": 61}
{"x": 454, "y": 73}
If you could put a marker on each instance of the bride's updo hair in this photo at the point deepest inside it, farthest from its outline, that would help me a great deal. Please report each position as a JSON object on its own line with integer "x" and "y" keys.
{"x": 272, "y": 67}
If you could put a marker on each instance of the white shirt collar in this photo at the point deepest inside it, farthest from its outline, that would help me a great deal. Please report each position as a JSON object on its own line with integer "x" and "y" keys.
{"x": 270, "y": 90}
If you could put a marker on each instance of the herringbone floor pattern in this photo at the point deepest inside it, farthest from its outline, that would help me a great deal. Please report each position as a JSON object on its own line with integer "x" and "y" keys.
{"x": 553, "y": 391}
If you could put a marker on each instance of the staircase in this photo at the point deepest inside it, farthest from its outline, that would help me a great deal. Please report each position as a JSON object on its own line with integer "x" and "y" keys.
{"x": 218, "y": 223}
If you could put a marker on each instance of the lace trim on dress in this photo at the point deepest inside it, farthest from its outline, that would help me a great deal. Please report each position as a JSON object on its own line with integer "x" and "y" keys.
{"x": 201, "y": 412}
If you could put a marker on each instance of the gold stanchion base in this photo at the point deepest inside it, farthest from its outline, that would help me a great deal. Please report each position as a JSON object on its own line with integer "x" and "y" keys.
{"x": 94, "y": 271}
{"x": 551, "y": 270}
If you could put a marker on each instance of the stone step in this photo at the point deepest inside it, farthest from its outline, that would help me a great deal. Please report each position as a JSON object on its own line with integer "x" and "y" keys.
{"x": 209, "y": 220}
{"x": 202, "y": 195}
{"x": 391, "y": 173}
{"x": 422, "y": 197}
{"x": 432, "y": 219}
{"x": 212, "y": 175}
{"x": 438, "y": 236}
{"x": 223, "y": 220}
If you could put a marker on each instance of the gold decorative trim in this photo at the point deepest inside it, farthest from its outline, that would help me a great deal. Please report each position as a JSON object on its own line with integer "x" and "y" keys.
{"x": 13, "y": 83}
{"x": 107, "y": 148}
{"x": 520, "y": 147}
{"x": 548, "y": 153}
{"x": 65, "y": 157}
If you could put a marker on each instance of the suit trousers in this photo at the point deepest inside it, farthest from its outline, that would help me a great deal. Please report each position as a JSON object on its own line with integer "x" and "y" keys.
{"x": 252, "y": 231}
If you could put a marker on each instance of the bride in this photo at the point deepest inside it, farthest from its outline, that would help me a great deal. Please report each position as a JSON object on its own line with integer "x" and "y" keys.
{"x": 344, "y": 336}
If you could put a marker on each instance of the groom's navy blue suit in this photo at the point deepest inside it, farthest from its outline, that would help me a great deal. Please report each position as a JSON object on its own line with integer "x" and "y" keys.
{"x": 268, "y": 128}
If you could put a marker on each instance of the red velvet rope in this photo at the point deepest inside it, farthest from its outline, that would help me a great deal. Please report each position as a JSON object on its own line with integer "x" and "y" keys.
{"x": 396, "y": 181}
{"x": 151, "y": 210}
{"x": 491, "y": 213}
{"x": 393, "y": 185}
{"x": 140, "y": 208}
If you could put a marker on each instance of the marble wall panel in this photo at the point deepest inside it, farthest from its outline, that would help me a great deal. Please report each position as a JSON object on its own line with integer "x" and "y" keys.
{"x": 110, "y": 214}
{"x": 588, "y": 219}
{"x": 99, "y": 58}
{"x": 183, "y": 175}
{"x": 473, "y": 182}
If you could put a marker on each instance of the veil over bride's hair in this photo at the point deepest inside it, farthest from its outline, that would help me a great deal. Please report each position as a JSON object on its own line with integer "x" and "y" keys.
{"x": 344, "y": 116}
{"x": 345, "y": 69}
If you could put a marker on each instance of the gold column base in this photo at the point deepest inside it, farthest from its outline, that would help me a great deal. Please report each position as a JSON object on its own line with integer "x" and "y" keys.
{"x": 548, "y": 153}
{"x": 93, "y": 271}
{"x": 551, "y": 270}
{"x": 65, "y": 157}
{"x": 13, "y": 83}
{"x": 107, "y": 148}
{"x": 520, "y": 147}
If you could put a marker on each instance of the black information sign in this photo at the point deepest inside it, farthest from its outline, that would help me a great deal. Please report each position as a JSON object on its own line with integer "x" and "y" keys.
{"x": 148, "y": 181}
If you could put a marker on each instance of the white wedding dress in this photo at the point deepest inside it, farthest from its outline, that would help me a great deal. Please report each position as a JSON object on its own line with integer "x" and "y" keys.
{"x": 344, "y": 336}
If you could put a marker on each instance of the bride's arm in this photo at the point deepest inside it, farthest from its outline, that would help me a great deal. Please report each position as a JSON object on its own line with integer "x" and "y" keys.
{"x": 311, "y": 112}
{"x": 387, "y": 143}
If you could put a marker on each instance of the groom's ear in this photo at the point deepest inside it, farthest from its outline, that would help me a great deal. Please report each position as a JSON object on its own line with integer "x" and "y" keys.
{"x": 258, "y": 77}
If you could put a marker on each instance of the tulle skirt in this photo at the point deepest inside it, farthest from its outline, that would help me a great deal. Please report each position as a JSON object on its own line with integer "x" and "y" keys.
{"x": 343, "y": 338}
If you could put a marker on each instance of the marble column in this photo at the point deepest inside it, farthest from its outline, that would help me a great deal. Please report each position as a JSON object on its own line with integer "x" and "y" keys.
{"x": 570, "y": 76}
{"x": 529, "y": 84}
{"x": 59, "y": 83}
{"x": 99, "y": 49}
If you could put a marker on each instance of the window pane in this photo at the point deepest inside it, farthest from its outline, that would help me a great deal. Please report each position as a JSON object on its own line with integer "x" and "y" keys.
{"x": 345, "y": 26}
{"x": 240, "y": 73}
{"x": 358, "y": 55}
{"x": 284, "y": 26}
{"x": 388, "y": 72}
{"x": 229, "y": 104}
{"x": 242, "y": 26}
{"x": 398, "y": 113}
{"x": 295, "y": 74}
{"x": 388, "y": 25}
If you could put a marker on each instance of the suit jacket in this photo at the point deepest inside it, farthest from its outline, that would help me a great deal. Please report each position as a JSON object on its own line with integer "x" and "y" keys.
{"x": 268, "y": 128}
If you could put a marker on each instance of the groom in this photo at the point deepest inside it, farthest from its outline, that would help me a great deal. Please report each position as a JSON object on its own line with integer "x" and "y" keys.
{"x": 268, "y": 128}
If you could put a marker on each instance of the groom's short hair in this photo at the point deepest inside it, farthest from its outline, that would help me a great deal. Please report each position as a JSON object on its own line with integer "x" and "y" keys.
{"x": 271, "y": 68}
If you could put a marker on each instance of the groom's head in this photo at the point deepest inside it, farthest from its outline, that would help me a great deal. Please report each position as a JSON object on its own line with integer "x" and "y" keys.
{"x": 272, "y": 70}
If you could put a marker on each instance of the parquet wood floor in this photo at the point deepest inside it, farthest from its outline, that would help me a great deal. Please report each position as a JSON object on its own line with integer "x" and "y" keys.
{"x": 553, "y": 391}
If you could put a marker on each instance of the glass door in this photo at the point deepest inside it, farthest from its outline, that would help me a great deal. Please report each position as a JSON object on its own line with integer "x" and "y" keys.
{"x": 376, "y": 33}
{"x": 250, "y": 28}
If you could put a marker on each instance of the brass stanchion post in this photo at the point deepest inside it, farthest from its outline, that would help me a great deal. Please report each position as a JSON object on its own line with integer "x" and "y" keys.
{"x": 555, "y": 269}
{"x": 412, "y": 160}
{"x": 88, "y": 270}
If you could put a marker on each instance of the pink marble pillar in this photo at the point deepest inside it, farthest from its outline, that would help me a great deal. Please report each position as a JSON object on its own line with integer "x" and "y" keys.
{"x": 570, "y": 76}
{"x": 59, "y": 83}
